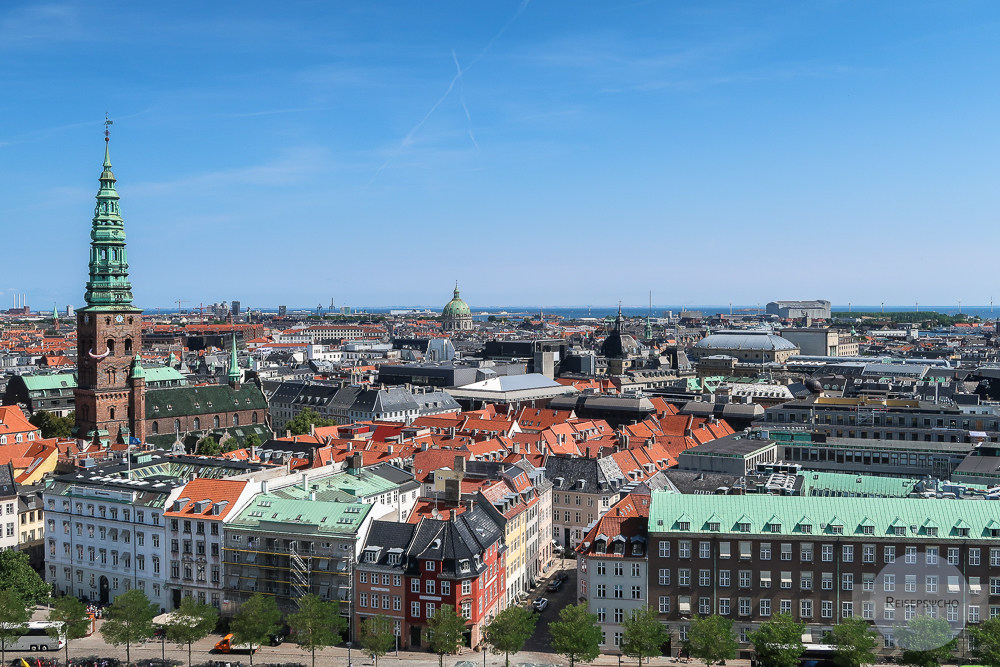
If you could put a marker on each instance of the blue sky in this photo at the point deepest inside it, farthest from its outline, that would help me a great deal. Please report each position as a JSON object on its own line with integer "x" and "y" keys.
{"x": 542, "y": 153}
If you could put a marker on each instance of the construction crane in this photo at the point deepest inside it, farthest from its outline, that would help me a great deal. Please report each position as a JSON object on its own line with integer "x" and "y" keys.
{"x": 179, "y": 302}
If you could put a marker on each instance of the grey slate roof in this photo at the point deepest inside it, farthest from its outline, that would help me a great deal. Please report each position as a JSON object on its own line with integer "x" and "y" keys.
{"x": 465, "y": 536}
{"x": 597, "y": 475}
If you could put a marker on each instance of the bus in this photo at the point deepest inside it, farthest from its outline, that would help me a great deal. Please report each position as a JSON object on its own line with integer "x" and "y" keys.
{"x": 36, "y": 637}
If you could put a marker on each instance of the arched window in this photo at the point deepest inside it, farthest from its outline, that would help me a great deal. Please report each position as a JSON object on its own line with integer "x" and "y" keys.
{"x": 156, "y": 427}
{"x": 215, "y": 421}
{"x": 236, "y": 420}
{"x": 111, "y": 413}
{"x": 111, "y": 345}
{"x": 255, "y": 418}
{"x": 197, "y": 424}
{"x": 128, "y": 346}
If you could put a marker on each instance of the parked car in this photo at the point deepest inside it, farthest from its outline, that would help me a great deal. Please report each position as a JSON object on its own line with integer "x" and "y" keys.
{"x": 562, "y": 576}
{"x": 554, "y": 586}
{"x": 540, "y": 604}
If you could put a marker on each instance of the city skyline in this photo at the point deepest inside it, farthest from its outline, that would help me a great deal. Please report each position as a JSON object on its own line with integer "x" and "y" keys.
{"x": 699, "y": 151}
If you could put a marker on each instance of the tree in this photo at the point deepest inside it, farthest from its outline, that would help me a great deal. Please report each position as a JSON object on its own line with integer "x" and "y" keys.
{"x": 509, "y": 631}
{"x": 300, "y": 424}
{"x": 73, "y": 615}
{"x": 711, "y": 640}
{"x": 252, "y": 440}
{"x": 317, "y": 624}
{"x": 445, "y": 632}
{"x": 14, "y": 614}
{"x": 17, "y": 575}
{"x": 128, "y": 620}
{"x": 52, "y": 425}
{"x": 207, "y": 446}
{"x": 644, "y": 635}
{"x": 987, "y": 636}
{"x": 255, "y": 622}
{"x": 778, "y": 642}
{"x": 855, "y": 643}
{"x": 576, "y": 635}
{"x": 927, "y": 641}
{"x": 190, "y": 622}
{"x": 377, "y": 636}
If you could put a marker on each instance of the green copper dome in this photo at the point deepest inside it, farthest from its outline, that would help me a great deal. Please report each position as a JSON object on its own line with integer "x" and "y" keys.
{"x": 137, "y": 370}
{"x": 456, "y": 307}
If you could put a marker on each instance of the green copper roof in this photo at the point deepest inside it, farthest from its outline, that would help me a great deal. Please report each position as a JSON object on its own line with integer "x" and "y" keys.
{"x": 158, "y": 374}
{"x": 273, "y": 514}
{"x": 842, "y": 484}
{"x": 108, "y": 287}
{"x": 43, "y": 382}
{"x": 341, "y": 487}
{"x": 670, "y": 510}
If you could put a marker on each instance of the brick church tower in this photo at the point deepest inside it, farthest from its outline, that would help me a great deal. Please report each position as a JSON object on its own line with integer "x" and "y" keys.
{"x": 110, "y": 393}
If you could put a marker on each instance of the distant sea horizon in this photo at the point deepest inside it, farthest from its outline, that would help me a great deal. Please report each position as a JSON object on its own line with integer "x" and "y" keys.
{"x": 578, "y": 312}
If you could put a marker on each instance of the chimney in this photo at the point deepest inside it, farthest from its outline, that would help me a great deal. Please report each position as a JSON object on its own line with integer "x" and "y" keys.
{"x": 288, "y": 432}
{"x": 263, "y": 486}
{"x": 312, "y": 495}
{"x": 453, "y": 491}
{"x": 305, "y": 481}
{"x": 312, "y": 430}
{"x": 460, "y": 464}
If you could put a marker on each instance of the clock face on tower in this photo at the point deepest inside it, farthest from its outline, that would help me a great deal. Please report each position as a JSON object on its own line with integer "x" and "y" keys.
{"x": 119, "y": 319}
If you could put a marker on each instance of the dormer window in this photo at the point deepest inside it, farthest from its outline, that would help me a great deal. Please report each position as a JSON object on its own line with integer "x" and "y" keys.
{"x": 837, "y": 530}
{"x": 806, "y": 528}
{"x": 637, "y": 549}
{"x": 600, "y": 546}
{"x": 744, "y": 527}
{"x": 463, "y": 566}
{"x": 620, "y": 548}
{"x": 868, "y": 530}
{"x": 684, "y": 525}
{"x": 774, "y": 527}
{"x": 714, "y": 526}
{"x": 901, "y": 530}
{"x": 962, "y": 532}
{"x": 431, "y": 566}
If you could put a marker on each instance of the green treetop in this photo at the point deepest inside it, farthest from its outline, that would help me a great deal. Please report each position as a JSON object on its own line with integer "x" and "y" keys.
{"x": 778, "y": 642}
{"x": 255, "y": 622}
{"x": 711, "y": 640}
{"x": 576, "y": 635}
{"x": 129, "y": 620}
{"x": 509, "y": 631}
{"x": 644, "y": 635}
{"x": 445, "y": 632}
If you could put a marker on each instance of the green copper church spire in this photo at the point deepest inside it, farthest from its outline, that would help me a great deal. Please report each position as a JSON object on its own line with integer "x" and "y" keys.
{"x": 108, "y": 287}
{"x": 234, "y": 364}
